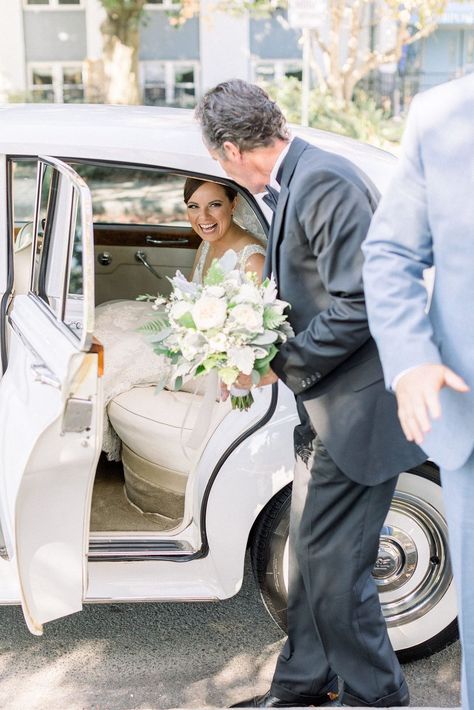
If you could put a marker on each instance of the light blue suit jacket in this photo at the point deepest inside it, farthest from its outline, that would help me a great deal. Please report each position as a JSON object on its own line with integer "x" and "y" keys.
{"x": 426, "y": 218}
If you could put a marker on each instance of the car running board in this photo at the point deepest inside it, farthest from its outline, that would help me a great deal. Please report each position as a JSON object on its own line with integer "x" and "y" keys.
{"x": 109, "y": 549}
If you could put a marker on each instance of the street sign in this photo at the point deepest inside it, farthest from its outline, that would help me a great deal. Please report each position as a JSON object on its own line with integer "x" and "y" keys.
{"x": 306, "y": 14}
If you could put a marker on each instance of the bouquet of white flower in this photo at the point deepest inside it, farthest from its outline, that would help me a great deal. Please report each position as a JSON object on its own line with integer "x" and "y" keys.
{"x": 230, "y": 323}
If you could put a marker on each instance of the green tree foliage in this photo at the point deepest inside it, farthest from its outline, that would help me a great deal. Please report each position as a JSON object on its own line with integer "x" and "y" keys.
{"x": 361, "y": 119}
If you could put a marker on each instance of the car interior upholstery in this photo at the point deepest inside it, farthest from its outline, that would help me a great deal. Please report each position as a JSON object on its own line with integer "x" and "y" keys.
{"x": 137, "y": 254}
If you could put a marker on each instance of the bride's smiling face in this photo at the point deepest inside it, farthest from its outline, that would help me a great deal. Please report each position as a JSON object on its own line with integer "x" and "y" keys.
{"x": 210, "y": 211}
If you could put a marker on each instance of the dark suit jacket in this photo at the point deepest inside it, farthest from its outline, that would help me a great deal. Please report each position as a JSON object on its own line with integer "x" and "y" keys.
{"x": 323, "y": 214}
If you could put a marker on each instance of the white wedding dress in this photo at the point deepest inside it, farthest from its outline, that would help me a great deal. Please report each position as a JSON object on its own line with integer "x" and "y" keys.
{"x": 242, "y": 257}
{"x": 129, "y": 359}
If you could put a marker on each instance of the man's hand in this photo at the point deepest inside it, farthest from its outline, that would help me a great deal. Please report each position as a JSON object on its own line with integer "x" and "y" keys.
{"x": 244, "y": 382}
{"x": 418, "y": 399}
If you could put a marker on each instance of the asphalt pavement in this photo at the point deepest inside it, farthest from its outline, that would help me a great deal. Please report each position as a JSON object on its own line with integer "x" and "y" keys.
{"x": 149, "y": 656}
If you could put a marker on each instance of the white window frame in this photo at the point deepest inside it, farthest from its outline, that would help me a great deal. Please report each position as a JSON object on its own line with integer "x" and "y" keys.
{"x": 54, "y": 5}
{"x": 170, "y": 68}
{"x": 280, "y": 66}
{"x": 164, "y": 5}
{"x": 57, "y": 69}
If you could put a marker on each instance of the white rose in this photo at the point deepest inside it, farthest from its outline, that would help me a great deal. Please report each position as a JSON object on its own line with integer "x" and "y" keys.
{"x": 248, "y": 317}
{"x": 216, "y": 291}
{"x": 248, "y": 293}
{"x": 233, "y": 278}
{"x": 179, "y": 309}
{"x": 209, "y": 312}
{"x": 242, "y": 358}
{"x": 218, "y": 343}
{"x": 191, "y": 345}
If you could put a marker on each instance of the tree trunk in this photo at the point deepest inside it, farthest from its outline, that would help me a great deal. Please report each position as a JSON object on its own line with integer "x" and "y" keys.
{"x": 121, "y": 33}
{"x": 121, "y": 73}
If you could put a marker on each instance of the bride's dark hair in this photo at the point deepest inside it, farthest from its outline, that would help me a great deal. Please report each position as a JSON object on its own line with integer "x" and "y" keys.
{"x": 192, "y": 184}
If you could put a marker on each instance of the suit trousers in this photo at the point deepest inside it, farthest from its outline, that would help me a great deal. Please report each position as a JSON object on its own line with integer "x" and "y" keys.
{"x": 458, "y": 495}
{"x": 335, "y": 623}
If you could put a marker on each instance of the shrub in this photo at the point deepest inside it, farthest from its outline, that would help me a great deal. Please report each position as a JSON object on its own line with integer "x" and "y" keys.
{"x": 361, "y": 119}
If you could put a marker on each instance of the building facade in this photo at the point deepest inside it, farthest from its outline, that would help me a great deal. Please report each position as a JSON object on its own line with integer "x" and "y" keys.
{"x": 45, "y": 45}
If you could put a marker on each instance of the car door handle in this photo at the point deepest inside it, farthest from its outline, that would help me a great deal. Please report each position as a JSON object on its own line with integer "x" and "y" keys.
{"x": 45, "y": 376}
{"x": 141, "y": 257}
{"x": 179, "y": 241}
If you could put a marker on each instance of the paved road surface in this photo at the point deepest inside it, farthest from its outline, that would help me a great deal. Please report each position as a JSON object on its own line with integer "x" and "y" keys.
{"x": 148, "y": 656}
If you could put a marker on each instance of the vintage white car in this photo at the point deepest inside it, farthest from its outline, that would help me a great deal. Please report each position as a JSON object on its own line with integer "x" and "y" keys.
{"x": 99, "y": 188}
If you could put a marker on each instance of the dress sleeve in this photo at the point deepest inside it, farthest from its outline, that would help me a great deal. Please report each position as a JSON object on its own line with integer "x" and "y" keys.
{"x": 249, "y": 251}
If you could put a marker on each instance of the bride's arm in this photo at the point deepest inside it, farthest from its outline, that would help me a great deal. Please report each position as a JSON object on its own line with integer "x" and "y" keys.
{"x": 255, "y": 263}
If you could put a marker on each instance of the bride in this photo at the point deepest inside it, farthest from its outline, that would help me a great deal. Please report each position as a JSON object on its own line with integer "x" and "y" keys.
{"x": 210, "y": 208}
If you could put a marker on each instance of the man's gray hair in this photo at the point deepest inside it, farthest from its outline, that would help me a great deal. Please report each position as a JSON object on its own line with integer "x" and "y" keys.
{"x": 241, "y": 113}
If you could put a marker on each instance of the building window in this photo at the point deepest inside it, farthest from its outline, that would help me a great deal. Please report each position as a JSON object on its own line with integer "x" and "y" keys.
{"x": 41, "y": 84}
{"x": 56, "y": 83}
{"x": 274, "y": 70}
{"x": 165, "y": 4}
{"x": 169, "y": 83}
{"x": 54, "y": 3}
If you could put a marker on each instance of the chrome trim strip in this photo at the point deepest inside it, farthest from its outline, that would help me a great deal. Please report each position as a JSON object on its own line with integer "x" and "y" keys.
{"x": 87, "y": 247}
{"x": 147, "y": 600}
{"x": 62, "y": 327}
{"x": 24, "y": 340}
{"x": 133, "y": 550}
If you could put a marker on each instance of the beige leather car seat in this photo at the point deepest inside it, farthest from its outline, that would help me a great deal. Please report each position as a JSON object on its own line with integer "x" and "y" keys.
{"x": 22, "y": 258}
{"x": 154, "y": 429}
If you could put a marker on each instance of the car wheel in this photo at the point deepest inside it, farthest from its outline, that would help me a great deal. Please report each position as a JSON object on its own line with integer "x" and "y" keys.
{"x": 412, "y": 572}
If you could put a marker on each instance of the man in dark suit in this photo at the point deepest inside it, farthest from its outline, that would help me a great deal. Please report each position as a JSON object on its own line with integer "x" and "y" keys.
{"x": 350, "y": 445}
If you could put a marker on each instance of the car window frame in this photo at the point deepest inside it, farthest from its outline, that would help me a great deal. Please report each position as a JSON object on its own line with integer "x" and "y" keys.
{"x": 9, "y": 226}
{"x": 83, "y": 343}
{"x": 247, "y": 196}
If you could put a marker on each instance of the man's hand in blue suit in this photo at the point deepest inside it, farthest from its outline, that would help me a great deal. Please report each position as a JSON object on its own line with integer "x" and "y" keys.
{"x": 417, "y": 392}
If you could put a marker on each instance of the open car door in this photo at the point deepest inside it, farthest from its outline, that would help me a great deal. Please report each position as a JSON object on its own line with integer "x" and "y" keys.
{"x": 50, "y": 408}
{"x": 6, "y": 276}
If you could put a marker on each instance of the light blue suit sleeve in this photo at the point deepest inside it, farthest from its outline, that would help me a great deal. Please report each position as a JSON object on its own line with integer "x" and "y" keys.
{"x": 397, "y": 249}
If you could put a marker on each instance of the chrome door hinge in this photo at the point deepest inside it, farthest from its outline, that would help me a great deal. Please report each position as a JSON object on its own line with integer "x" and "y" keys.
{"x": 77, "y": 415}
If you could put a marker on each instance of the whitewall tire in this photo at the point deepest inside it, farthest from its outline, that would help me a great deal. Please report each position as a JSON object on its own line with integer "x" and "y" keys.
{"x": 412, "y": 572}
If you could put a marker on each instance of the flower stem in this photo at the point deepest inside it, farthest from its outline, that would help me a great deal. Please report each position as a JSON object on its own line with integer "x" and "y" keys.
{"x": 243, "y": 404}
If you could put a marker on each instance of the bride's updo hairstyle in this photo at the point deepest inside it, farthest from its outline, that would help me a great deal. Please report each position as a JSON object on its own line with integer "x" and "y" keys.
{"x": 192, "y": 184}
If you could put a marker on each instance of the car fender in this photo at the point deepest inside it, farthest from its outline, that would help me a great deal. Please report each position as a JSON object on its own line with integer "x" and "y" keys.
{"x": 259, "y": 467}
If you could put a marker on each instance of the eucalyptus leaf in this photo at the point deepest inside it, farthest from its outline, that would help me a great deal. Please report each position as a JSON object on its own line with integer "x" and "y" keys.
{"x": 159, "y": 387}
{"x": 255, "y": 377}
{"x": 145, "y": 297}
{"x": 159, "y": 337}
{"x": 261, "y": 365}
{"x": 215, "y": 274}
{"x": 186, "y": 321}
{"x": 265, "y": 338}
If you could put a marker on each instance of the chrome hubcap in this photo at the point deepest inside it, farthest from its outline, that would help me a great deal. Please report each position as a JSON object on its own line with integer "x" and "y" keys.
{"x": 412, "y": 571}
{"x": 397, "y": 559}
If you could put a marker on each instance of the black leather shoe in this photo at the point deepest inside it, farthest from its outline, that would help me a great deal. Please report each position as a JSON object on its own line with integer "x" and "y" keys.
{"x": 271, "y": 701}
